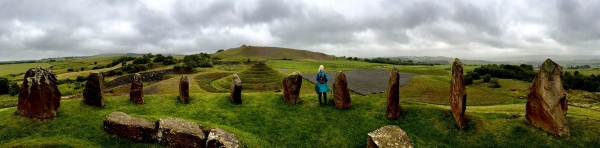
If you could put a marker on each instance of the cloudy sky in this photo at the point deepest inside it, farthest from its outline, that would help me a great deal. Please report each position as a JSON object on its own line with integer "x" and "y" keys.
{"x": 475, "y": 29}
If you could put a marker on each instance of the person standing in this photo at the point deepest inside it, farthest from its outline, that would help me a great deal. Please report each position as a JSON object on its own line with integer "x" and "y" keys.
{"x": 322, "y": 88}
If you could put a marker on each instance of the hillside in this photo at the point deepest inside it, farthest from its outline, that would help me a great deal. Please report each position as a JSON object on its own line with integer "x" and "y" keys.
{"x": 266, "y": 53}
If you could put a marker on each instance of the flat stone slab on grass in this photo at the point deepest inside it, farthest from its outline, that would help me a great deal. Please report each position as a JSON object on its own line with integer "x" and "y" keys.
{"x": 219, "y": 138}
{"x": 390, "y": 136}
{"x": 127, "y": 127}
{"x": 365, "y": 81}
{"x": 180, "y": 133}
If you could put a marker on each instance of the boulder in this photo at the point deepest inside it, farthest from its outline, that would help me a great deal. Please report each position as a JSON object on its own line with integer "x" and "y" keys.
{"x": 219, "y": 138}
{"x": 137, "y": 89}
{"x": 394, "y": 111}
{"x": 127, "y": 127}
{"x": 39, "y": 96}
{"x": 236, "y": 90}
{"x": 291, "y": 88}
{"x": 547, "y": 101}
{"x": 92, "y": 94}
{"x": 458, "y": 94}
{"x": 180, "y": 133}
{"x": 341, "y": 93}
{"x": 388, "y": 136}
{"x": 184, "y": 90}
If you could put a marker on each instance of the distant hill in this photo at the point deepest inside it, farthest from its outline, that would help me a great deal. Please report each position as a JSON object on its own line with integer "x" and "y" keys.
{"x": 266, "y": 53}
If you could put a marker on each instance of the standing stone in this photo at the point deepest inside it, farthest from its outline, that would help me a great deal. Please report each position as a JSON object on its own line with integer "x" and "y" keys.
{"x": 180, "y": 133}
{"x": 547, "y": 101}
{"x": 236, "y": 90}
{"x": 39, "y": 96}
{"x": 291, "y": 88}
{"x": 341, "y": 93}
{"x": 127, "y": 127}
{"x": 219, "y": 138}
{"x": 458, "y": 93}
{"x": 394, "y": 111}
{"x": 184, "y": 90}
{"x": 137, "y": 89}
{"x": 92, "y": 94}
{"x": 388, "y": 136}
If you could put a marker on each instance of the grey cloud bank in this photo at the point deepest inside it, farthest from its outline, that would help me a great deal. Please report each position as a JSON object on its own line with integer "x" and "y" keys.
{"x": 487, "y": 30}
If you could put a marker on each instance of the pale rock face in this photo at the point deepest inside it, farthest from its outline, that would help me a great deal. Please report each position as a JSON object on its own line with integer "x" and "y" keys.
{"x": 390, "y": 136}
{"x": 180, "y": 133}
{"x": 131, "y": 128}
{"x": 458, "y": 93}
{"x": 219, "y": 138}
{"x": 547, "y": 101}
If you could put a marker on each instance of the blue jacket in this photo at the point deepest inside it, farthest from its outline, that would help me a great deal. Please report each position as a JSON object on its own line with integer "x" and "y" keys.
{"x": 322, "y": 88}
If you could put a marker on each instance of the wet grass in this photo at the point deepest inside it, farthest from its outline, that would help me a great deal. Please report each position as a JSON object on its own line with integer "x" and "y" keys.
{"x": 20, "y": 68}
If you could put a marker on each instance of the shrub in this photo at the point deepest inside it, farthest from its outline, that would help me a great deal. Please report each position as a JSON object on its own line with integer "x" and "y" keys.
{"x": 4, "y": 86}
{"x": 98, "y": 67}
{"x": 142, "y": 60}
{"x": 82, "y": 69}
{"x": 70, "y": 70}
{"x": 14, "y": 89}
{"x": 169, "y": 60}
{"x": 487, "y": 78}
{"x": 468, "y": 80}
{"x": 159, "y": 58}
{"x": 198, "y": 60}
{"x": 495, "y": 83}
{"x": 80, "y": 79}
{"x": 473, "y": 75}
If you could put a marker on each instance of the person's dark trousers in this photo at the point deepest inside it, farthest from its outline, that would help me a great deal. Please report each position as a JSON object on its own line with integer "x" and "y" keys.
{"x": 324, "y": 97}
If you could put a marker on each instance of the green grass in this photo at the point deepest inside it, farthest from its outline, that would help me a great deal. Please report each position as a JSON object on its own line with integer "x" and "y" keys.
{"x": 256, "y": 53}
{"x": 254, "y": 79}
{"x": 436, "y": 90}
{"x": 265, "y": 120}
{"x": 312, "y": 67}
{"x": 20, "y": 68}
{"x": 8, "y": 100}
{"x": 205, "y": 81}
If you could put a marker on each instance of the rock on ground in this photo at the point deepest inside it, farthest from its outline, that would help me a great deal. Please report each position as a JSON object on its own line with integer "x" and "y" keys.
{"x": 390, "y": 136}
{"x": 236, "y": 90}
{"x": 458, "y": 93}
{"x": 127, "y": 127}
{"x": 341, "y": 93}
{"x": 92, "y": 94}
{"x": 394, "y": 111}
{"x": 219, "y": 138}
{"x": 137, "y": 89}
{"x": 547, "y": 101}
{"x": 180, "y": 133}
{"x": 39, "y": 96}
{"x": 291, "y": 88}
{"x": 184, "y": 90}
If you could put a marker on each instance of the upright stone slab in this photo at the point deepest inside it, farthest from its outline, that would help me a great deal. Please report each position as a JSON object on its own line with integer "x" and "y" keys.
{"x": 388, "y": 136}
{"x": 39, "y": 96}
{"x": 236, "y": 90}
{"x": 458, "y": 93}
{"x": 137, "y": 89}
{"x": 341, "y": 93}
{"x": 394, "y": 111}
{"x": 547, "y": 101}
{"x": 180, "y": 133}
{"x": 92, "y": 94}
{"x": 291, "y": 88}
{"x": 184, "y": 90}
{"x": 219, "y": 138}
{"x": 127, "y": 127}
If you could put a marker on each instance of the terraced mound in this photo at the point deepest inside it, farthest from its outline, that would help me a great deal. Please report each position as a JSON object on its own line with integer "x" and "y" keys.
{"x": 266, "y": 53}
{"x": 258, "y": 78}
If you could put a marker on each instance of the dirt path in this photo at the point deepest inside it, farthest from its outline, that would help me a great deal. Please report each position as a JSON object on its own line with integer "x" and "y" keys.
{"x": 366, "y": 81}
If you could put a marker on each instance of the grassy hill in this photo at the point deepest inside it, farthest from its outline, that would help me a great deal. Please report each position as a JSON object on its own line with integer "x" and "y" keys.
{"x": 266, "y": 53}
{"x": 258, "y": 78}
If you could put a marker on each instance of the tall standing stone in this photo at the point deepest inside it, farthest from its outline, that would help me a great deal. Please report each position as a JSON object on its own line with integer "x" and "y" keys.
{"x": 547, "y": 101}
{"x": 341, "y": 93}
{"x": 39, "y": 96}
{"x": 458, "y": 93}
{"x": 184, "y": 90}
{"x": 92, "y": 94}
{"x": 236, "y": 90}
{"x": 291, "y": 88}
{"x": 394, "y": 111}
{"x": 137, "y": 89}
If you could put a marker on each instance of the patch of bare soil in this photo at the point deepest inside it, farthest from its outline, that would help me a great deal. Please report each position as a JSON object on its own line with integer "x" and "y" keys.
{"x": 366, "y": 81}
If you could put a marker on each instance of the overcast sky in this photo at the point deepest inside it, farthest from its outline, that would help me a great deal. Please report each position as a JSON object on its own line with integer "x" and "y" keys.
{"x": 366, "y": 28}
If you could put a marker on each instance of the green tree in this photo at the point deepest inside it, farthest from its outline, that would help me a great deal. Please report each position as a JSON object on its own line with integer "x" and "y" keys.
{"x": 487, "y": 78}
{"x": 14, "y": 89}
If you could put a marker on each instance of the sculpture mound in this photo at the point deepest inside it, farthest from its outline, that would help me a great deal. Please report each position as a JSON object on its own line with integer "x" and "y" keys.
{"x": 258, "y": 78}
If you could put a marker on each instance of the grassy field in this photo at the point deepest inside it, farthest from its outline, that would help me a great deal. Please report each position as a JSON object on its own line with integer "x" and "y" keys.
{"x": 20, "y": 68}
{"x": 254, "y": 79}
{"x": 264, "y": 120}
{"x": 8, "y": 101}
{"x": 256, "y": 53}
{"x": 312, "y": 67}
